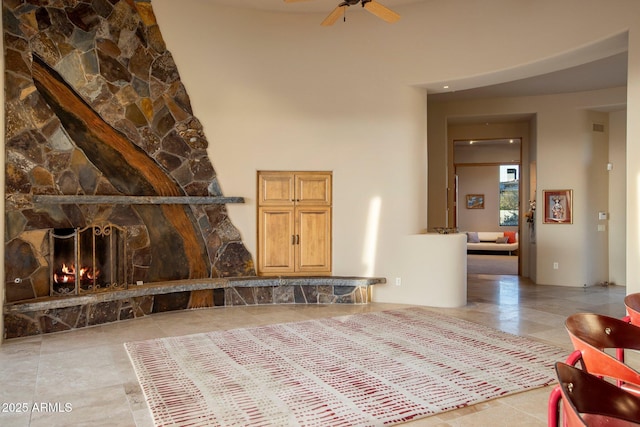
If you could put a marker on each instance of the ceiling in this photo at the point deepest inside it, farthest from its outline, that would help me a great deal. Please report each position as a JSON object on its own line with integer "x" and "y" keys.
{"x": 601, "y": 73}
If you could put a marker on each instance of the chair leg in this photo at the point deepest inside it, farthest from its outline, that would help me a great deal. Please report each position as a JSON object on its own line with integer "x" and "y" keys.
{"x": 574, "y": 358}
{"x": 553, "y": 408}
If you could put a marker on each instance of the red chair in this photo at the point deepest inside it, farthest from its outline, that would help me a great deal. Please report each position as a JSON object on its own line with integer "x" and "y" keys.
{"x": 632, "y": 303}
{"x": 591, "y": 334}
{"x": 591, "y": 401}
{"x": 553, "y": 407}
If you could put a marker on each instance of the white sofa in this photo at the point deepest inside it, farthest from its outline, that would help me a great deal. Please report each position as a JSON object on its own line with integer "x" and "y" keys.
{"x": 490, "y": 241}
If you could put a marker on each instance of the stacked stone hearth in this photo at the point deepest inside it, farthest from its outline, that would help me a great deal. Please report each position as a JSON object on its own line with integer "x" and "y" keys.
{"x": 95, "y": 108}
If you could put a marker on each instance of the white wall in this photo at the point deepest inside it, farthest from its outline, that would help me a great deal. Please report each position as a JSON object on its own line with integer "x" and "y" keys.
{"x": 277, "y": 91}
{"x": 474, "y": 153}
{"x": 478, "y": 180}
{"x": 568, "y": 158}
{"x": 633, "y": 165}
{"x": 433, "y": 256}
{"x": 617, "y": 198}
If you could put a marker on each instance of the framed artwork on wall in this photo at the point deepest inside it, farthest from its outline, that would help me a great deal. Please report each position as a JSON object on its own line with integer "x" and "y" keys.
{"x": 558, "y": 206}
{"x": 475, "y": 201}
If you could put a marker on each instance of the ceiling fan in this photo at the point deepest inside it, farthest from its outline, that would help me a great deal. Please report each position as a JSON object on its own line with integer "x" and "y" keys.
{"x": 372, "y": 6}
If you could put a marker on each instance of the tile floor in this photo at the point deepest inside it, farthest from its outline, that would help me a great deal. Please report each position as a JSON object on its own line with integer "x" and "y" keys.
{"x": 84, "y": 378}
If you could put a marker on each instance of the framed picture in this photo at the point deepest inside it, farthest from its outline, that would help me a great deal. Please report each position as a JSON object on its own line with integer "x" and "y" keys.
{"x": 558, "y": 206}
{"x": 475, "y": 201}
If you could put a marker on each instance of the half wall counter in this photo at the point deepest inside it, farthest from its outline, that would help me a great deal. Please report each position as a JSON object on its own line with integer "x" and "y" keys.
{"x": 435, "y": 269}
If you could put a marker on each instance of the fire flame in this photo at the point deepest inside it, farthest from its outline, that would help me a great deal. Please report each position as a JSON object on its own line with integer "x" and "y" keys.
{"x": 67, "y": 274}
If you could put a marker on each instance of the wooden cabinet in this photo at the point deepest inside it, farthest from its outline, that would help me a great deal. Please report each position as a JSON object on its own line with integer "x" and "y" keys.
{"x": 294, "y": 223}
{"x": 294, "y": 188}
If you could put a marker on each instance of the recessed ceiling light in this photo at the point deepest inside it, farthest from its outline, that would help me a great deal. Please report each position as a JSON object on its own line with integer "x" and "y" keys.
{"x": 445, "y": 87}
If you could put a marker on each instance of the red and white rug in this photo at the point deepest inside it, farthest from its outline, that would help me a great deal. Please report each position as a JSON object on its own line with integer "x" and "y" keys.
{"x": 368, "y": 369}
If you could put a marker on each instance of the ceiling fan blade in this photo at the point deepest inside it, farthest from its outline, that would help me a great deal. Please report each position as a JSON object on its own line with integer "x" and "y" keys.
{"x": 333, "y": 16}
{"x": 381, "y": 11}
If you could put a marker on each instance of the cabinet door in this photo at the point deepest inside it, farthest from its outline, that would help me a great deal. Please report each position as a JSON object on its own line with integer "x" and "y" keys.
{"x": 276, "y": 189}
{"x": 276, "y": 238}
{"x": 313, "y": 240}
{"x": 313, "y": 188}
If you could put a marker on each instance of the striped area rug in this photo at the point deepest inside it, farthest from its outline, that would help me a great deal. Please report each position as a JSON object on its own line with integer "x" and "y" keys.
{"x": 370, "y": 369}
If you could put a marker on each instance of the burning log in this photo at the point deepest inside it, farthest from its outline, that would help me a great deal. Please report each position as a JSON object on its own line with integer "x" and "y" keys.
{"x": 67, "y": 274}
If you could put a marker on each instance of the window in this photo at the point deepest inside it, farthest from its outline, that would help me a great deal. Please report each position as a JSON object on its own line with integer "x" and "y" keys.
{"x": 509, "y": 194}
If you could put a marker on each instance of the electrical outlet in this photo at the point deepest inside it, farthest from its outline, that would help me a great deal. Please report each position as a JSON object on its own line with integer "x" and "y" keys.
{"x": 556, "y": 266}
{"x": 398, "y": 281}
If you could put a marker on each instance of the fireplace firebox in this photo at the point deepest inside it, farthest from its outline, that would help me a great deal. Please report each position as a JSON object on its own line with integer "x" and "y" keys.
{"x": 88, "y": 260}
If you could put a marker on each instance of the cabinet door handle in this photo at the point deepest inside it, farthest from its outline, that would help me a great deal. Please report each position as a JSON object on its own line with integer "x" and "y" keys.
{"x": 293, "y": 239}
{"x": 297, "y": 239}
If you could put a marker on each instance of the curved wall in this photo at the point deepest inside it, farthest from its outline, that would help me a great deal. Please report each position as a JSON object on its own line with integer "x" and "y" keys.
{"x": 278, "y": 91}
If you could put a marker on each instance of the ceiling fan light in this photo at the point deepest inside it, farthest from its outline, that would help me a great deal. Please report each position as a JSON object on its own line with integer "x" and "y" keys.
{"x": 372, "y": 6}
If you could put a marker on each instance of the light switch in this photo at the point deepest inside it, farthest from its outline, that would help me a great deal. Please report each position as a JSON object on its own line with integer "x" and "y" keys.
{"x": 602, "y": 215}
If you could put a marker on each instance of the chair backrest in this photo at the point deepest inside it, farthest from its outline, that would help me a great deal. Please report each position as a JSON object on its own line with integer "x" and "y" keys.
{"x": 592, "y": 333}
{"x": 632, "y": 303}
{"x": 590, "y": 401}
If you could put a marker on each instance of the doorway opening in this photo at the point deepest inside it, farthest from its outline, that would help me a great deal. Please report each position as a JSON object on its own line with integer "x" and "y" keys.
{"x": 488, "y": 199}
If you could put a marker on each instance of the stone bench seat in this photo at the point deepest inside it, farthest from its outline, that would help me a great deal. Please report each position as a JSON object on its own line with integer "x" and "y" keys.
{"x": 54, "y": 314}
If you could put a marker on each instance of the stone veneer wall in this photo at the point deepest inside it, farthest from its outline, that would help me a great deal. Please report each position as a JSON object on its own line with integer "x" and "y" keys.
{"x": 94, "y": 106}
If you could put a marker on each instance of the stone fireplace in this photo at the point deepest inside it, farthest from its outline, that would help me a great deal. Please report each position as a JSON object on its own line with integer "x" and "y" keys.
{"x": 113, "y": 209}
{"x": 108, "y": 181}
